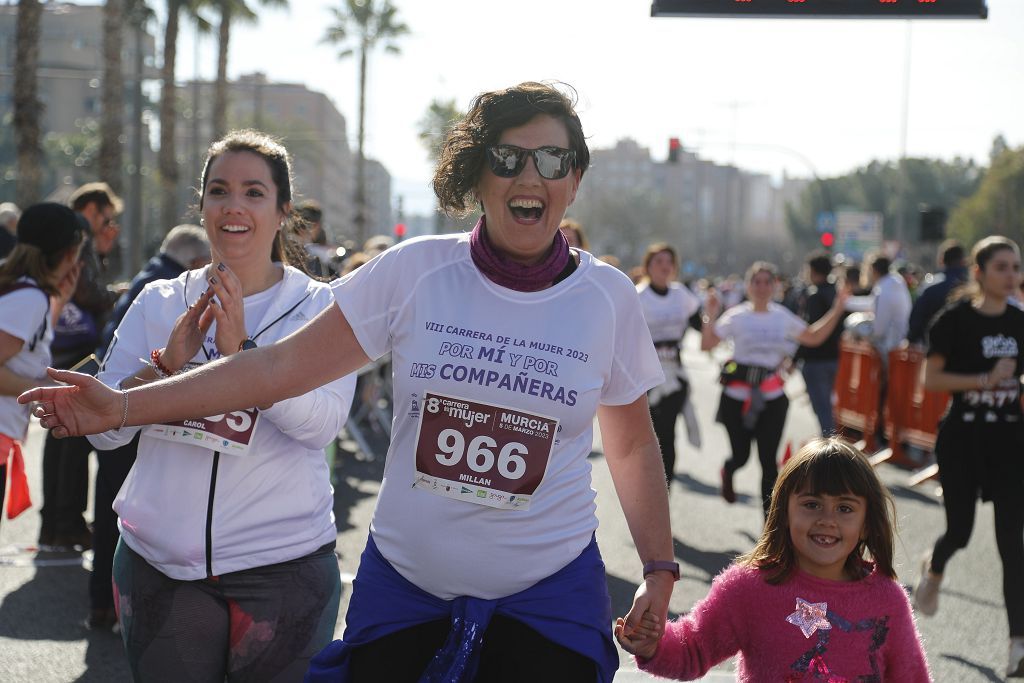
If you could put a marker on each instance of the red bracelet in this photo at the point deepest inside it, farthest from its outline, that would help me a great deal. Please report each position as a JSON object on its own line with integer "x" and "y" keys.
{"x": 161, "y": 369}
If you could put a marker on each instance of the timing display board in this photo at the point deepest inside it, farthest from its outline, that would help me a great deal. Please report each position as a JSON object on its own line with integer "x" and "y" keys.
{"x": 823, "y": 9}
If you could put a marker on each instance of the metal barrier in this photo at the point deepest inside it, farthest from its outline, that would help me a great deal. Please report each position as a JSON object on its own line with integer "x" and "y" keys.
{"x": 857, "y": 389}
{"x": 911, "y": 416}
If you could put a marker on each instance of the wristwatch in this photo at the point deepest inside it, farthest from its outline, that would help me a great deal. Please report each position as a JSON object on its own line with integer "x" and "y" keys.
{"x": 662, "y": 565}
{"x": 247, "y": 344}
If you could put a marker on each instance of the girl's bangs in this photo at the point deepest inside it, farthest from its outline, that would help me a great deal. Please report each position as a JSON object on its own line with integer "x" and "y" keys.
{"x": 832, "y": 473}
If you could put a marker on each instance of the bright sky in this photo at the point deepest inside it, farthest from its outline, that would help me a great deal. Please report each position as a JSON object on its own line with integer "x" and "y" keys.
{"x": 771, "y": 95}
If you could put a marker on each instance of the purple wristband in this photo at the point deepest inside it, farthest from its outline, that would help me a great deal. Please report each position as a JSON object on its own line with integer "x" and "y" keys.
{"x": 662, "y": 565}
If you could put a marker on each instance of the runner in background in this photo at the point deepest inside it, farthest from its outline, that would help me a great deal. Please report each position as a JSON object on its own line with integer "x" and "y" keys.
{"x": 753, "y": 404}
{"x": 668, "y": 306}
{"x": 974, "y": 352}
{"x": 36, "y": 280}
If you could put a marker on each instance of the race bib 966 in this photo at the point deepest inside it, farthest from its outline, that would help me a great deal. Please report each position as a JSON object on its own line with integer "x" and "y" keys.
{"x": 481, "y": 453}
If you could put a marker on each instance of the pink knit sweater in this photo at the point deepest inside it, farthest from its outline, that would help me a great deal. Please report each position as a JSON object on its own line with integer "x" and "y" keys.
{"x": 805, "y": 629}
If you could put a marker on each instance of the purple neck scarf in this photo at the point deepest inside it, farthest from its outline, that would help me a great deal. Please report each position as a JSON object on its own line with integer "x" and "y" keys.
{"x": 505, "y": 272}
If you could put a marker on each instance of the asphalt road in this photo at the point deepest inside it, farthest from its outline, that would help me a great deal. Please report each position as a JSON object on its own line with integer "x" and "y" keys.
{"x": 43, "y": 596}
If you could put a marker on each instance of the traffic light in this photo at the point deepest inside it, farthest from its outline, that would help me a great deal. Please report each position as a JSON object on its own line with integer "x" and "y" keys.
{"x": 674, "y": 148}
{"x": 399, "y": 231}
{"x": 826, "y": 225}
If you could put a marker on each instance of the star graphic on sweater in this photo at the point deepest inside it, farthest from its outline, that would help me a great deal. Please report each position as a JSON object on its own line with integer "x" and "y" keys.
{"x": 810, "y": 616}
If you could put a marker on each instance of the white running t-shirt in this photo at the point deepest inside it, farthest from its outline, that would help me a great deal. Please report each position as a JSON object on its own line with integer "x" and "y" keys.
{"x": 488, "y": 355}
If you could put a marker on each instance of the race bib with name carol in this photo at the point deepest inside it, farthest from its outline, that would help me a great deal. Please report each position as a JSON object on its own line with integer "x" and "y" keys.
{"x": 482, "y": 453}
{"x": 230, "y": 433}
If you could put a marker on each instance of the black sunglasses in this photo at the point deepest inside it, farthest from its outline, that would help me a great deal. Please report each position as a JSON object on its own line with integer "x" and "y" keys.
{"x": 553, "y": 163}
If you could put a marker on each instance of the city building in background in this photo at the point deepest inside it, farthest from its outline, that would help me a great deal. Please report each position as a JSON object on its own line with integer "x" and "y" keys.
{"x": 716, "y": 215}
{"x": 308, "y": 123}
{"x": 380, "y": 218}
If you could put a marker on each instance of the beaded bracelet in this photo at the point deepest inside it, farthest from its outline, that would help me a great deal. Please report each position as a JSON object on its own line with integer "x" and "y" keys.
{"x": 160, "y": 368}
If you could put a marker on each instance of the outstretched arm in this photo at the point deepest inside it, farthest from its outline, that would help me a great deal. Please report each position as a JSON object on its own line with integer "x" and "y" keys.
{"x": 324, "y": 349}
{"x": 816, "y": 334}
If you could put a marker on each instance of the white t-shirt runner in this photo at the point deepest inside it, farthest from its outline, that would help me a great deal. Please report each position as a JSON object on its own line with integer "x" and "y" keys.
{"x": 668, "y": 315}
{"x": 487, "y": 485}
{"x": 24, "y": 314}
{"x": 763, "y": 338}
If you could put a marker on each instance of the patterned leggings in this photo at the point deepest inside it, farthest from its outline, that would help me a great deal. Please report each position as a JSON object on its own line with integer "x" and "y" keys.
{"x": 260, "y": 624}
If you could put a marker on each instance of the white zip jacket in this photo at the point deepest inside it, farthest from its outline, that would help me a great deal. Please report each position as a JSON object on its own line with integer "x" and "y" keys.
{"x": 193, "y": 512}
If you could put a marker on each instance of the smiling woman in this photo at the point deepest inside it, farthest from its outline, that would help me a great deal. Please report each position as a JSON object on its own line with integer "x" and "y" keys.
{"x": 482, "y": 543}
{"x": 224, "y": 509}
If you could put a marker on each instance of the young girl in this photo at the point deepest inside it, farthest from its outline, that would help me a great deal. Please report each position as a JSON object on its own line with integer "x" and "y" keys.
{"x": 974, "y": 353}
{"x": 804, "y": 603}
{"x": 36, "y": 279}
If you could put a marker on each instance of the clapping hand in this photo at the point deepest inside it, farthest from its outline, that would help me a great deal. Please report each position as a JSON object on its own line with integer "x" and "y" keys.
{"x": 188, "y": 333}
{"x": 228, "y": 309}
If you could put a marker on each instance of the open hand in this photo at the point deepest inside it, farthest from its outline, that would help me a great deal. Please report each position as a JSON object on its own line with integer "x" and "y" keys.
{"x": 84, "y": 406}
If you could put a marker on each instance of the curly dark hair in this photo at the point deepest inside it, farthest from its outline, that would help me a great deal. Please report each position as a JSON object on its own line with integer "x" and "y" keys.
{"x": 463, "y": 153}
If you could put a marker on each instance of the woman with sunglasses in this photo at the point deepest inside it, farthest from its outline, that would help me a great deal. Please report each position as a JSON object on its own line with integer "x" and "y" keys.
{"x": 481, "y": 561}
{"x": 226, "y": 566}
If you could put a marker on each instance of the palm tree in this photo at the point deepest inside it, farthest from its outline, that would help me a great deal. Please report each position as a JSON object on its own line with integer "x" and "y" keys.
{"x": 434, "y": 126}
{"x": 230, "y": 11}
{"x": 28, "y": 110}
{"x": 436, "y": 123}
{"x": 167, "y": 160}
{"x": 363, "y": 25}
{"x": 112, "y": 121}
